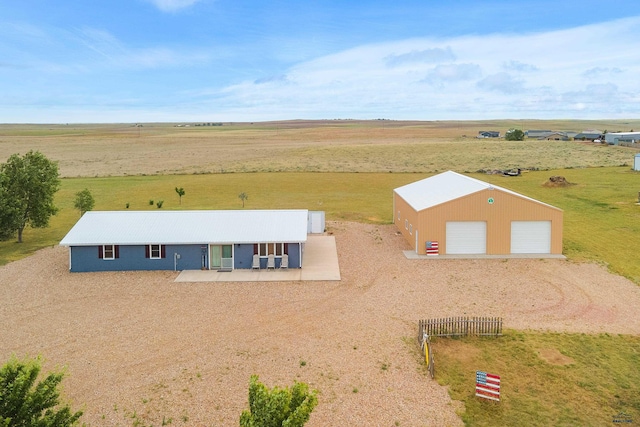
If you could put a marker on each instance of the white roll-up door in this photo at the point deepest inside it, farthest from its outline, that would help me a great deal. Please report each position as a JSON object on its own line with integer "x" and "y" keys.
{"x": 466, "y": 237}
{"x": 531, "y": 237}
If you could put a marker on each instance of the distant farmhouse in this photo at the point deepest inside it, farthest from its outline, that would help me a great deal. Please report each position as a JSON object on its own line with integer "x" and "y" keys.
{"x": 488, "y": 134}
{"x": 556, "y": 136}
{"x": 589, "y": 135}
{"x": 534, "y": 133}
{"x": 622, "y": 138}
{"x": 550, "y": 135}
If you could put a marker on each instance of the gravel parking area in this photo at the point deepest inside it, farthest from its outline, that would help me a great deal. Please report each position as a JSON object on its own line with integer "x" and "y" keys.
{"x": 139, "y": 346}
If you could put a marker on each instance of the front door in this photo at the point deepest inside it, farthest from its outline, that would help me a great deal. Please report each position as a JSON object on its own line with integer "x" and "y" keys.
{"x": 221, "y": 257}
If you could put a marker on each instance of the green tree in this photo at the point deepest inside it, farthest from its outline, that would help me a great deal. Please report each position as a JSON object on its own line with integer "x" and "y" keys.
{"x": 23, "y": 403}
{"x": 9, "y": 212}
{"x": 84, "y": 201}
{"x": 243, "y": 196}
{"x": 28, "y": 186}
{"x": 514, "y": 135}
{"x": 278, "y": 407}
{"x": 180, "y": 192}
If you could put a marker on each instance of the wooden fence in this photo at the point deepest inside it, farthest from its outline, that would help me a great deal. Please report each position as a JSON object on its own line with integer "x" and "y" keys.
{"x": 460, "y": 326}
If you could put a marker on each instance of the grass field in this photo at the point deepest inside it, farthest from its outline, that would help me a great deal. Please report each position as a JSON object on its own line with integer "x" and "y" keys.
{"x": 546, "y": 378}
{"x": 348, "y": 170}
{"x": 298, "y": 146}
{"x": 601, "y": 219}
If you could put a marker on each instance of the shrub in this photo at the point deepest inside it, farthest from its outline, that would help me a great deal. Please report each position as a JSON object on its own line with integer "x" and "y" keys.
{"x": 25, "y": 403}
{"x": 279, "y": 406}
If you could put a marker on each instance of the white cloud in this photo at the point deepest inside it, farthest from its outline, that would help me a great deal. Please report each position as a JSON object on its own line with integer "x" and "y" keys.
{"x": 453, "y": 72}
{"x": 172, "y": 5}
{"x": 537, "y": 75}
{"x": 599, "y": 72}
{"x": 427, "y": 56}
{"x": 502, "y": 82}
{"x": 519, "y": 66}
{"x": 116, "y": 54}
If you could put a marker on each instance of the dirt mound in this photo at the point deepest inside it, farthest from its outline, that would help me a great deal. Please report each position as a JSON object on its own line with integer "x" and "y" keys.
{"x": 557, "y": 181}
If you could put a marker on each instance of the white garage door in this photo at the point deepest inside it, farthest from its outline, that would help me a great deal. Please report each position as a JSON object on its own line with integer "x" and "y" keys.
{"x": 531, "y": 237}
{"x": 466, "y": 237}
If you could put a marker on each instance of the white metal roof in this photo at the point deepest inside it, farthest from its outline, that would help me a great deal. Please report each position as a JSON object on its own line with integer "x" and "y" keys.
{"x": 188, "y": 227}
{"x": 445, "y": 187}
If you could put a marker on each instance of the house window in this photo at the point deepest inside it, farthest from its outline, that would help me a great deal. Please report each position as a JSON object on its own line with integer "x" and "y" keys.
{"x": 108, "y": 251}
{"x": 410, "y": 228}
{"x": 266, "y": 249}
{"x": 398, "y": 215}
{"x": 155, "y": 251}
{"x": 406, "y": 224}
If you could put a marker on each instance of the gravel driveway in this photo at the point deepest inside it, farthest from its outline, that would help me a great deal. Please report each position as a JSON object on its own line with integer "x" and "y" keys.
{"x": 139, "y": 346}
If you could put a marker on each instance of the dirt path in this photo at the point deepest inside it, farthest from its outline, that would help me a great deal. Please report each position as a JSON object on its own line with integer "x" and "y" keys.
{"x": 139, "y": 345}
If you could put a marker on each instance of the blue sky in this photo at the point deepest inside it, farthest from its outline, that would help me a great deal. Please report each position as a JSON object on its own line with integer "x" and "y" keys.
{"x": 73, "y": 61}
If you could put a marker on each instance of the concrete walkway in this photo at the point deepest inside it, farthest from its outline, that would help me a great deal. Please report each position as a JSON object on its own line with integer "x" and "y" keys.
{"x": 319, "y": 262}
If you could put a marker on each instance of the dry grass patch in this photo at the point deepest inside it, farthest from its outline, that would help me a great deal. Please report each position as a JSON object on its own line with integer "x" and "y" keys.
{"x": 323, "y": 146}
{"x": 554, "y": 357}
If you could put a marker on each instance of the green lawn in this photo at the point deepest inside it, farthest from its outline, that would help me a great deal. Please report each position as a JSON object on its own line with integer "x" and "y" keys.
{"x": 601, "y": 219}
{"x": 546, "y": 378}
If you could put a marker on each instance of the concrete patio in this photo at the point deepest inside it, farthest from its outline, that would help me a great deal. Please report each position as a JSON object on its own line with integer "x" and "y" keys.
{"x": 319, "y": 263}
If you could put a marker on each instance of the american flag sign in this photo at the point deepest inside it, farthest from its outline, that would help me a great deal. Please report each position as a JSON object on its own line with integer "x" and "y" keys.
{"x": 432, "y": 247}
{"x": 487, "y": 386}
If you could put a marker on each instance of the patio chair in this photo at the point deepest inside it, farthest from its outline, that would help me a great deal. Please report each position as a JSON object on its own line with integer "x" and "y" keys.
{"x": 256, "y": 262}
{"x": 271, "y": 262}
{"x": 284, "y": 262}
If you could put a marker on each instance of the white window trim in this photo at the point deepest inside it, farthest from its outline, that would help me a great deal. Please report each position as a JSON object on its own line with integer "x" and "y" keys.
{"x": 113, "y": 252}
{"x": 151, "y": 252}
{"x": 266, "y": 246}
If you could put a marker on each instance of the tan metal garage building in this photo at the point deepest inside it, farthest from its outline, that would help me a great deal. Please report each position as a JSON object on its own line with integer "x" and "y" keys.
{"x": 452, "y": 213}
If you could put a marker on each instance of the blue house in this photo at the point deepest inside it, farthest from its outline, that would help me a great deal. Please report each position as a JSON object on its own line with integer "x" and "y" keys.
{"x": 186, "y": 240}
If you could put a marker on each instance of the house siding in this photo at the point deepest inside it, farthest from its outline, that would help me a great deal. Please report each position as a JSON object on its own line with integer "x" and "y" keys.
{"x": 132, "y": 258}
{"x": 243, "y": 256}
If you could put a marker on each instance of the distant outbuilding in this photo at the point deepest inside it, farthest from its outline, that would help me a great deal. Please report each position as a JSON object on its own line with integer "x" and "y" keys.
{"x": 615, "y": 138}
{"x": 451, "y": 213}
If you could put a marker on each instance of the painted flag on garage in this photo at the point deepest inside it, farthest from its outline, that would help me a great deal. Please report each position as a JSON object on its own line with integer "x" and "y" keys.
{"x": 487, "y": 386}
{"x": 432, "y": 248}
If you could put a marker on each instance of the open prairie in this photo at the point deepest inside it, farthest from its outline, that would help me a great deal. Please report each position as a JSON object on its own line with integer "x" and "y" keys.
{"x": 310, "y": 146}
